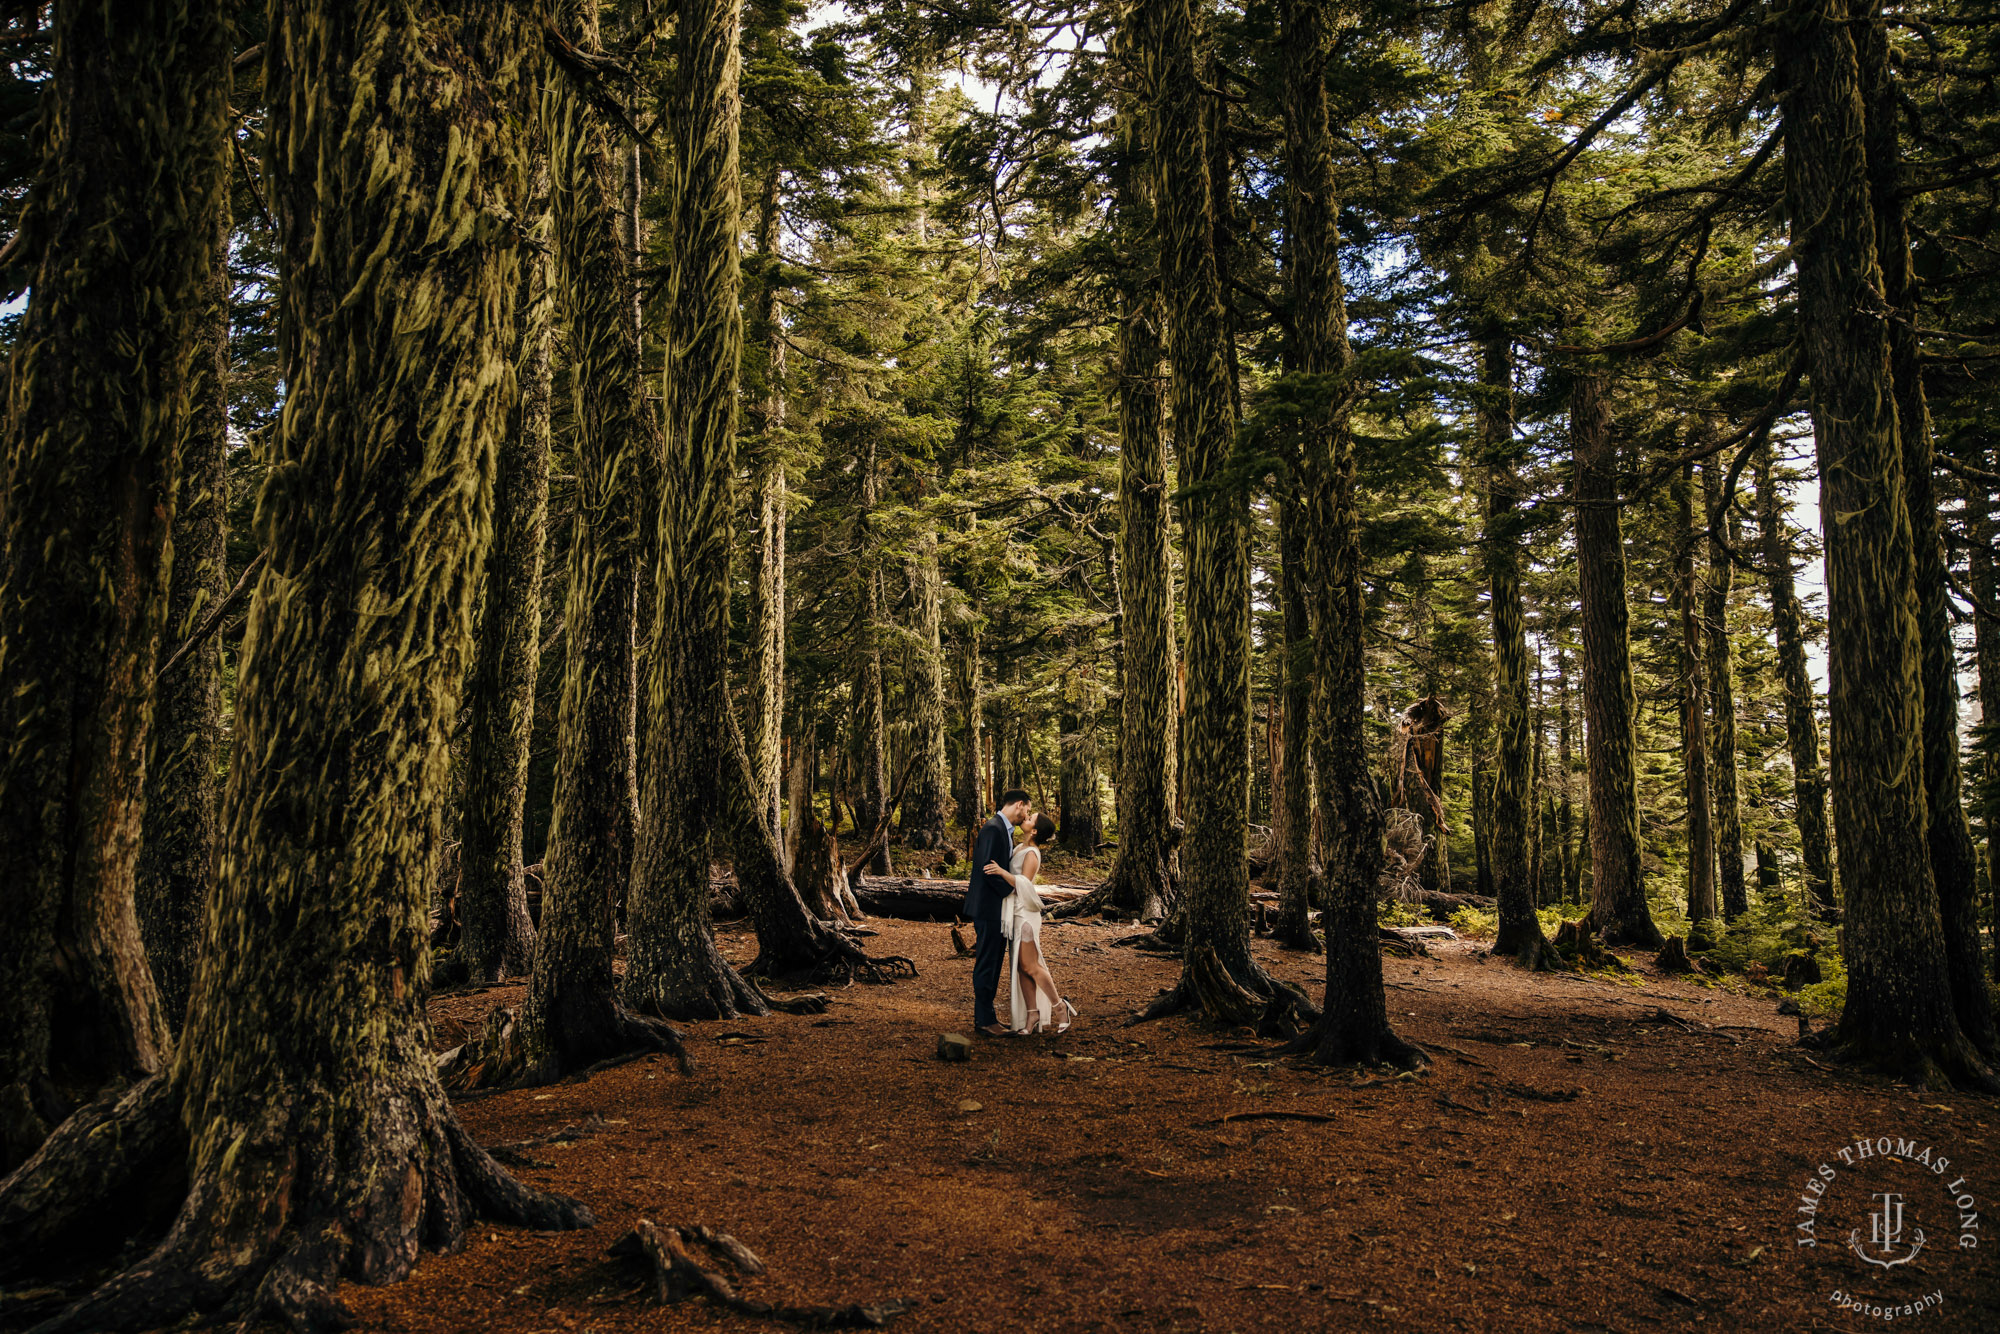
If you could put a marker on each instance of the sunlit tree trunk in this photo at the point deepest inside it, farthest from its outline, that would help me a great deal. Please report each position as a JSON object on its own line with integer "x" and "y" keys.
{"x": 764, "y": 717}
{"x": 1292, "y": 816}
{"x": 498, "y": 939}
{"x": 122, "y": 217}
{"x": 1693, "y": 690}
{"x": 674, "y": 968}
{"x": 1899, "y": 1012}
{"x": 1954, "y": 862}
{"x": 181, "y": 841}
{"x": 1983, "y": 517}
{"x": 970, "y": 781}
{"x": 1617, "y": 890}
{"x": 1565, "y": 763}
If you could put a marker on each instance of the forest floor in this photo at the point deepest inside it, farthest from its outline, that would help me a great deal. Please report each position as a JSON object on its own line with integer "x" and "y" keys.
{"x": 1575, "y": 1160}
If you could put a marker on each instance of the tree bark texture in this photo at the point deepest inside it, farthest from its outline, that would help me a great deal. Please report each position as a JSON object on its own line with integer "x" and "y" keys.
{"x": 970, "y": 781}
{"x": 122, "y": 217}
{"x": 1899, "y": 1012}
{"x": 1143, "y": 878}
{"x": 498, "y": 937}
{"x": 1801, "y": 717}
{"x": 1520, "y": 932}
{"x": 1983, "y": 518}
{"x": 926, "y": 807}
{"x": 181, "y": 836}
{"x": 674, "y": 968}
{"x": 1721, "y": 672}
{"x": 869, "y": 710}
{"x": 1610, "y": 704}
{"x": 766, "y": 696}
{"x": 1353, "y": 1025}
{"x": 1214, "y": 514}
{"x": 1954, "y": 862}
{"x": 318, "y": 1145}
{"x": 1292, "y": 816}
{"x": 572, "y": 1018}
{"x": 1701, "y": 905}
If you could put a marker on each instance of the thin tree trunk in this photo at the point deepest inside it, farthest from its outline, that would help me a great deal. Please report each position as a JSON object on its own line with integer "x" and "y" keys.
{"x": 499, "y": 937}
{"x": 1694, "y": 732}
{"x": 1476, "y": 726}
{"x": 674, "y": 968}
{"x": 572, "y": 1017}
{"x": 122, "y": 217}
{"x": 765, "y": 715}
{"x": 1610, "y": 705}
{"x": 1983, "y": 519}
{"x": 1572, "y": 891}
{"x": 1722, "y": 698}
{"x": 870, "y": 708}
{"x": 1292, "y": 817}
{"x": 972, "y": 745}
{"x": 1520, "y": 932}
{"x": 182, "y": 827}
{"x": 926, "y": 805}
{"x": 1801, "y": 718}
{"x": 1954, "y": 862}
{"x": 303, "y": 1113}
{"x": 1900, "y": 1012}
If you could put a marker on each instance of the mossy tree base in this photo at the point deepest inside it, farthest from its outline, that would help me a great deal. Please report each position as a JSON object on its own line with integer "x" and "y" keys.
{"x": 278, "y": 1207}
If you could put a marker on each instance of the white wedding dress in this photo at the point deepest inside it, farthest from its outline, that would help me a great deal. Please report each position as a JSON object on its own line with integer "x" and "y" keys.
{"x": 1021, "y": 919}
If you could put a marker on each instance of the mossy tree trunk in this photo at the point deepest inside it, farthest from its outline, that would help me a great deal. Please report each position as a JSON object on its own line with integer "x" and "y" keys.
{"x": 1353, "y": 1026}
{"x": 1954, "y": 862}
{"x": 1721, "y": 671}
{"x": 498, "y": 939}
{"x": 1520, "y": 932}
{"x": 122, "y": 218}
{"x": 1214, "y": 512}
{"x": 765, "y": 395}
{"x": 572, "y": 1017}
{"x": 1900, "y": 1013}
{"x": 303, "y": 1109}
{"x": 675, "y": 969}
{"x": 1801, "y": 718}
{"x": 1566, "y": 803}
{"x": 181, "y": 836}
{"x": 1695, "y": 783}
{"x": 1610, "y": 705}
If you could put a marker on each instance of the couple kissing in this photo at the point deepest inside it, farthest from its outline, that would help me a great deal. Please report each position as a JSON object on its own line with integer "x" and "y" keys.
{"x": 1006, "y": 916}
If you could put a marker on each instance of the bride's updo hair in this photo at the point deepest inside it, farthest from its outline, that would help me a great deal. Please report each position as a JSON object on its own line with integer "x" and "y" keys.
{"x": 1043, "y": 831}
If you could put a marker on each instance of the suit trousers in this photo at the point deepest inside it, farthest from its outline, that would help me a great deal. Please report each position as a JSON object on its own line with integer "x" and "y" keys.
{"x": 989, "y": 949}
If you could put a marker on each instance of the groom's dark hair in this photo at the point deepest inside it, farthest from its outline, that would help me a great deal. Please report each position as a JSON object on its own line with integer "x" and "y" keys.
{"x": 1010, "y": 796}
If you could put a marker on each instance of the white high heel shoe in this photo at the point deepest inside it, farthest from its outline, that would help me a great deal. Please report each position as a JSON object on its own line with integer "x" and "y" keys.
{"x": 1068, "y": 1009}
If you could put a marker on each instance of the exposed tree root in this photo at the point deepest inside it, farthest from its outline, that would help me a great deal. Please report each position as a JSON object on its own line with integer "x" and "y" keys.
{"x": 1532, "y": 950}
{"x": 677, "y": 1273}
{"x": 1369, "y": 1043}
{"x": 1578, "y": 944}
{"x": 1141, "y": 894}
{"x": 1291, "y": 924}
{"x": 277, "y": 1211}
{"x": 499, "y": 1056}
{"x": 1211, "y": 987}
{"x": 823, "y": 955}
{"x": 1938, "y": 1065}
{"x": 691, "y": 984}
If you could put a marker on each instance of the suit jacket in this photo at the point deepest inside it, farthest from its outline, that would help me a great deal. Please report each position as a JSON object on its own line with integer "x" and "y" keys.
{"x": 984, "y": 893}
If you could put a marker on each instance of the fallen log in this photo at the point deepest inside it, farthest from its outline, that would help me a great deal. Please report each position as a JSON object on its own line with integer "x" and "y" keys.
{"x": 1442, "y": 906}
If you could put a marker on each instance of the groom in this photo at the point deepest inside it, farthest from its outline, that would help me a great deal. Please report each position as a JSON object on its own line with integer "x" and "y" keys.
{"x": 982, "y": 905}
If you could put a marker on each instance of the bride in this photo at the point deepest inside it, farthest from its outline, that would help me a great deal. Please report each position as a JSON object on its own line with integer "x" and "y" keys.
{"x": 1021, "y": 922}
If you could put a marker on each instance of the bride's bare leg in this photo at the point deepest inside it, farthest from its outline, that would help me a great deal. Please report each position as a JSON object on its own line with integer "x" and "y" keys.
{"x": 1035, "y": 975}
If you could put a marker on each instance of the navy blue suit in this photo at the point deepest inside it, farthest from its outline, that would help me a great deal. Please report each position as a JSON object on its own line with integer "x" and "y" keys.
{"x": 982, "y": 905}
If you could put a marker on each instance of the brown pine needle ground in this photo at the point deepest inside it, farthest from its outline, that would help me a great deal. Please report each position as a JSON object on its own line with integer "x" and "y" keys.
{"x": 1573, "y": 1162}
